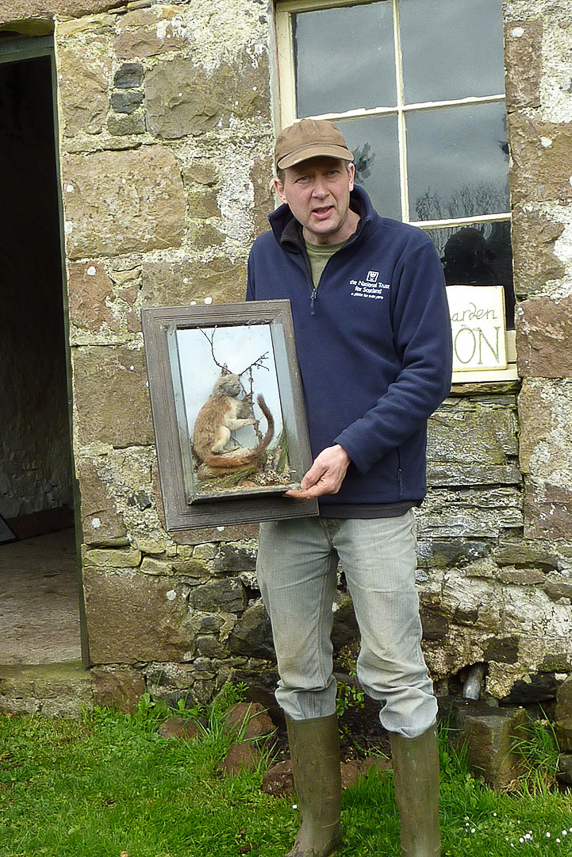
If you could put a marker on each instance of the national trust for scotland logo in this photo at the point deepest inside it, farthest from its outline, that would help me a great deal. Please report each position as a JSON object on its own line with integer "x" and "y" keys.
{"x": 370, "y": 288}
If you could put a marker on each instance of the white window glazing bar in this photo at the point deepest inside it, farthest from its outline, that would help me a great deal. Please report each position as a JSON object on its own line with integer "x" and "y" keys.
{"x": 316, "y": 5}
{"x": 454, "y": 102}
{"x": 401, "y": 130}
{"x": 357, "y": 114}
{"x": 287, "y": 72}
{"x": 418, "y": 107}
{"x": 462, "y": 221}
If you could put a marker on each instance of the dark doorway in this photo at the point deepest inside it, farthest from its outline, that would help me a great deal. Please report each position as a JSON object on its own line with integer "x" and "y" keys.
{"x": 36, "y": 494}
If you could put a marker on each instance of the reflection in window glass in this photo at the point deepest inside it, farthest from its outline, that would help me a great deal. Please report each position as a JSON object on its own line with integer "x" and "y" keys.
{"x": 451, "y": 49}
{"x": 457, "y": 162}
{"x": 478, "y": 255}
{"x": 344, "y": 59}
{"x": 373, "y": 143}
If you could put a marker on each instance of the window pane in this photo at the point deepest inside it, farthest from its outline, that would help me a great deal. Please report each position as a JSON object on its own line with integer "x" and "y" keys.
{"x": 478, "y": 255}
{"x": 451, "y": 49}
{"x": 457, "y": 162}
{"x": 373, "y": 142}
{"x": 344, "y": 59}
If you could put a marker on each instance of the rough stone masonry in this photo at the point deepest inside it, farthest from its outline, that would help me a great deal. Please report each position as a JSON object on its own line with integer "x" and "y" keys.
{"x": 166, "y": 129}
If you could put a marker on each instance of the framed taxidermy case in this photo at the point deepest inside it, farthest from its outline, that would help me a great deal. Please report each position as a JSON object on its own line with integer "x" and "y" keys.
{"x": 228, "y": 413}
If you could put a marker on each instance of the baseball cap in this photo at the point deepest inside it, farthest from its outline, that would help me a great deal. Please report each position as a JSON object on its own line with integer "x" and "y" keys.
{"x": 309, "y": 138}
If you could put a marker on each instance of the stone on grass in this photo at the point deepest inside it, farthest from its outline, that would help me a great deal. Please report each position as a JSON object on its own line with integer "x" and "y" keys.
{"x": 117, "y": 688}
{"x": 245, "y": 755}
{"x": 564, "y": 734}
{"x": 377, "y": 763}
{"x": 352, "y": 771}
{"x": 490, "y": 735}
{"x": 564, "y": 700}
{"x": 251, "y": 719}
{"x": 565, "y": 770}
{"x": 278, "y": 780}
{"x": 178, "y": 727}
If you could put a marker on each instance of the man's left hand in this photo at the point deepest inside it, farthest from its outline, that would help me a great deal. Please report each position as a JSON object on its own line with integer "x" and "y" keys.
{"x": 325, "y": 476}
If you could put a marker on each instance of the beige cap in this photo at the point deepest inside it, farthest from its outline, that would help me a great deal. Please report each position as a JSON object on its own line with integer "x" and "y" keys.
{"x": 309, "y": 138}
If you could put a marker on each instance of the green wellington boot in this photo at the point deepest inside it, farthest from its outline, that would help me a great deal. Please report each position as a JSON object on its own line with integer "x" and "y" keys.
{"x": 416, "y": 776}
{"x": 315, "y": 758}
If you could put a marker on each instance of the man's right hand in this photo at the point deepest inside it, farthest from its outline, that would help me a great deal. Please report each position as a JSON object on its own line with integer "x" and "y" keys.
{"x": 325, "y": 476}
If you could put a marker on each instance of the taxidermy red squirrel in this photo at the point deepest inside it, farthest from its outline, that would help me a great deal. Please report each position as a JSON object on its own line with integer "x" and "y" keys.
{"x": 223, "y": 413}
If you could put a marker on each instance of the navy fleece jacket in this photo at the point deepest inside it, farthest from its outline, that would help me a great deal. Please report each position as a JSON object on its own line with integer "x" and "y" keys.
{"x": 373, "y": 344}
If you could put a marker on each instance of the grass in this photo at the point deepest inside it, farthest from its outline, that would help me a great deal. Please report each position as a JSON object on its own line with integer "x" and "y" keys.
{"x": 539, "y": 751}
{"x": 109, "y": 784}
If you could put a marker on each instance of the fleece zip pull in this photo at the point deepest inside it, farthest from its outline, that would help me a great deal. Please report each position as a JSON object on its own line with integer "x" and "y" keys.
{"x": 313, "y": 297}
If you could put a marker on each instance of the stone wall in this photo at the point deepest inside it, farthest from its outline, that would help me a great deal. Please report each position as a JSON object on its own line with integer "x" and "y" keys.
{"x": 165, "y": 139}
{"x": 541, "y": 142}
{"x": 166, "y": 135}
{"x": 540, "y": 125}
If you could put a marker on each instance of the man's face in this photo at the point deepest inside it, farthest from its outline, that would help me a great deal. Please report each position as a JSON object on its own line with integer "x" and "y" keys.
{"x": 318, "y": 193}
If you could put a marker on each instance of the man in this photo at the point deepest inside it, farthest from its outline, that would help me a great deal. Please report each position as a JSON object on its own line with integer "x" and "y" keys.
{"x": 374, "y": 345}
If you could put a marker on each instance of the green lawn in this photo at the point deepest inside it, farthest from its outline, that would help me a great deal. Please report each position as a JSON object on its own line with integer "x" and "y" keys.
{"x": 109, "y": 783}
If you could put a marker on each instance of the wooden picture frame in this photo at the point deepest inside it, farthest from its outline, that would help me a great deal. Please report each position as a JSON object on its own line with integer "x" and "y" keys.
{"x": 225, "y": 455}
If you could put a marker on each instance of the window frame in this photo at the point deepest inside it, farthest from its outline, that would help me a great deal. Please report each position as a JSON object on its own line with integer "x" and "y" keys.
{"x": 284, "y": 11}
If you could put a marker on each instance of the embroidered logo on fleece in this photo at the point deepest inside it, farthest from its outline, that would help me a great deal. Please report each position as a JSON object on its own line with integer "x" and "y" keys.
{"x": 370, "y": 287}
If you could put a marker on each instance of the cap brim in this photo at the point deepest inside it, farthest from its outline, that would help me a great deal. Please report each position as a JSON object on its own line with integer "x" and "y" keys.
{"x": 314, "y": 150}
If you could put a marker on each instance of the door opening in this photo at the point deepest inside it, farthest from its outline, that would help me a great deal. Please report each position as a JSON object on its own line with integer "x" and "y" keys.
{"x": 39, "y": 600}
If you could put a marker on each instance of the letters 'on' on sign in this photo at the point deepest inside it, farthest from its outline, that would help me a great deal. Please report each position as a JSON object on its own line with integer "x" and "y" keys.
{"x": 478, "y": 326}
